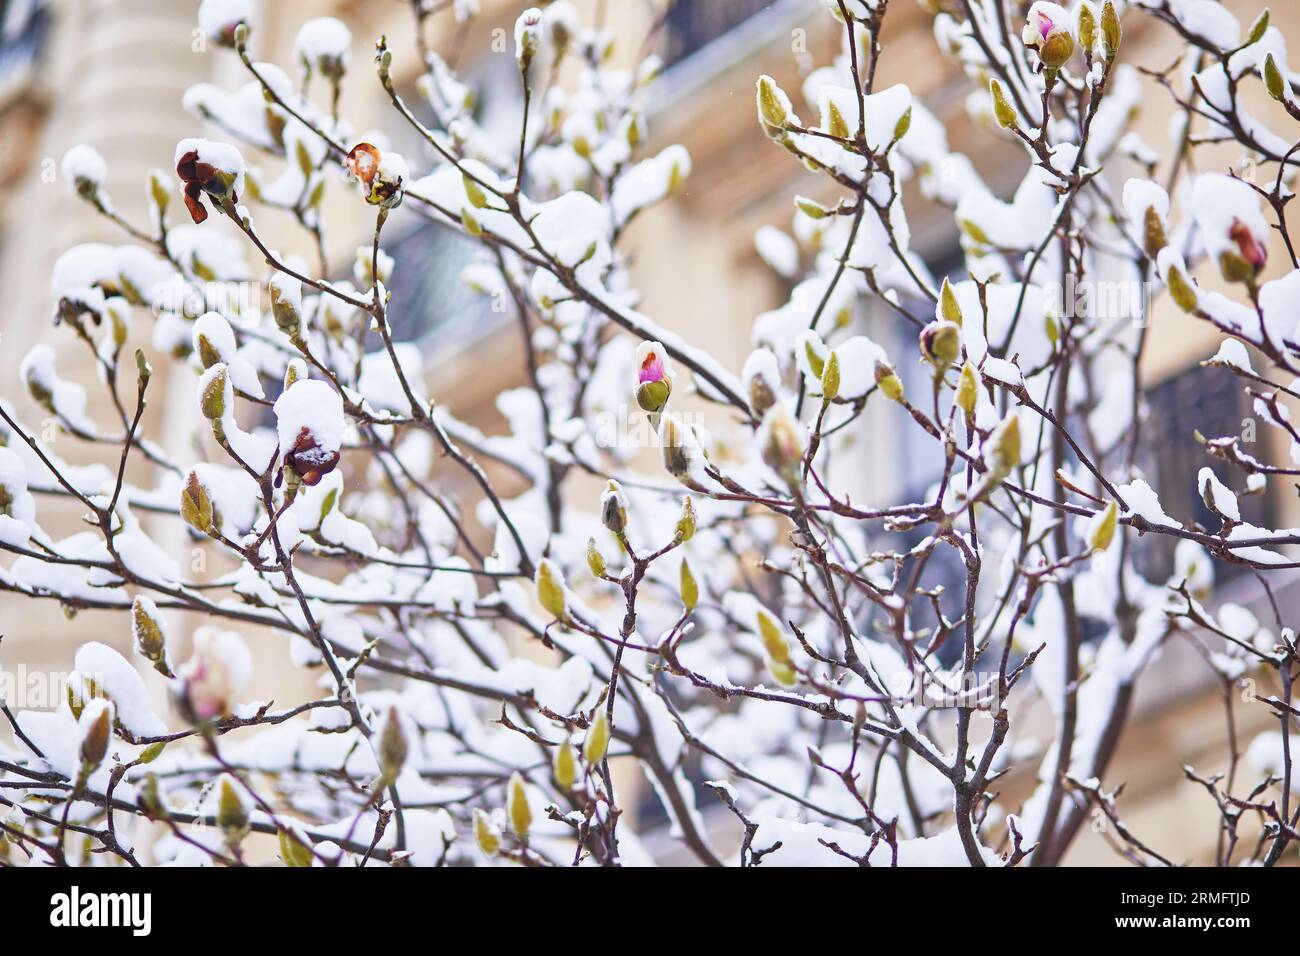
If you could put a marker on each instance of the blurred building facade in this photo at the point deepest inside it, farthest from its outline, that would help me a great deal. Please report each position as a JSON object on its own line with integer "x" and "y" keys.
{"x": 111, "y": 73}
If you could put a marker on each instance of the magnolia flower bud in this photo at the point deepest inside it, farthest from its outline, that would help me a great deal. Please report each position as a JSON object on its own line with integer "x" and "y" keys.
{"x": 232, "y": 811}
{"x": 774, "y": 640}
{"x": 595, "y": 560}
{"x": 774, "y": 110}
{"x": 286, "y": 303}
{"x": 1111, "y": 34}
{"x": 940, "y": 343}
{"x": 96, "y": 725}
{"x": 783, "y": 672}
{"x": 967, "y": 390}
{"x": 1003, "y": 452}
{"x": 1273, "y": 81}
{"x": 1101, "y": 529}
{"x": 528, "y": 36}
{"x": 564, "y": 765}
{"x": 295, "y": 848}
{"x": 517, "y": 808}
{"x": 613, "y": 508}
{"x": 811, "y": 208}
{"x": 681, "y": 451}
{"x": 1047, "y": 31}
{"x": 685, "y": 529}
{"x": 147, "y": 631}
{"x": 196, "y": 505}
{"x": 550, "y": 590}
{"x": 1003, "y": 111}
{"x": 1153, "y": 233}
{"x": 1086, "y": 27}
{"x": 781, "y": 441}
{"x": 831, "y": 378}
{"x": 149, "y": 799}
{"x": 1258, "y": 28}
{"x": 487, "y": 836}
{"x": 1249, "y": 260}
{"x": 213, "y": 388}
{"x": 690, "y": 591}
{"x": 1182, "y": 292}
{"x": 949, "y": 309}
{"x": 392, "y": 747}
{"x": 888, "y": 382}
{"x": 85, "y": 169}
{"x": 381, "y": 175}
{"x": 654, "y": 377}
{"x": 597, "y": 742}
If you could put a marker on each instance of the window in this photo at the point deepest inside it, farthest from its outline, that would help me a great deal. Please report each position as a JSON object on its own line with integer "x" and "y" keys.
{"x": 691, "y": 25}
{"x": 1213, "y": 401}
{"x": 23, "y": 28}
{"x": 430, "y": 300}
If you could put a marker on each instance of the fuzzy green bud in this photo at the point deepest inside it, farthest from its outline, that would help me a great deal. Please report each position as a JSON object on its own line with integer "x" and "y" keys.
{"x": 596, "y": 744}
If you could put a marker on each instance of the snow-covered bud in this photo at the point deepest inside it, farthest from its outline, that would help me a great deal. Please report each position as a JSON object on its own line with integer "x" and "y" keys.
{"x": 196, "y": 504}
{"x": 96, "y": 727}
{"x": 295, "y": 848}
{"x": 309, "y": 425}
{"x": 1248, "y": 261}
{"x": 1111, "y": 34}
{"x": 654, "y": 382}
{"x": 214, "y": 389}
{"x": 528, "y": 36}
{"x": 1182, "y": 291}
{"x": 595, "y": 560}
{"x": 685, "y": 529}
{"x": 1086, "y": 26}
{"x": 1048, "y": 31}
{"x": 220, "y": 19}
{"x": 517, "y": 808}
{"x": 781, "y": 441}
{"x": 1003, "y": 452}
{"x": 487, "y": 835}
{"x": 888, "y": 381}
{"x": 680, "y": 450}
{"x": 84, "y": 168}
{"x": 564, "y": 765}
{"x": 967, "y": 390}
{"x": 232, "y": 811}
{"x": 550, "y": 590}
{"x": 1101, "y": 529}
{"x": 392, "y": 747}
{"x": 831, "y": 378}
{"x": 761, "y": 376}
{"x": 286, "y": 303}
{"x": 213, "y": 168}
{"x": 940, "y": 343}
{"x": 596, "y": 744}
{"x": 381, "y": 175}
{"x": 774, "y": 109}
{"x": 687, "y": 586}
{"x": 295, "y": 370}
{"x": 323, "y": 45}
{"x": 147, "y": 632}
{"x": 613, "y": 508}
{"x": 1003, "y": 111}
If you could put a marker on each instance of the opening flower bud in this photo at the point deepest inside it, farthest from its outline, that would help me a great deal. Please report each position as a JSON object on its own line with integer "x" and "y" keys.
{"x": 940, "y": 343}
{"x": 654, "y": 382}
{"x": 196, "y": 505}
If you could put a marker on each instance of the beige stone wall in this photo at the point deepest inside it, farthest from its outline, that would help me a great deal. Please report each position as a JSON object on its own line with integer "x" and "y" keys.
{"x": 113, "y": 77}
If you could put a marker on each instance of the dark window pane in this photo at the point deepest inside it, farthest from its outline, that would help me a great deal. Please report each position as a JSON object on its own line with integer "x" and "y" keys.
{"x": 691, "y": 24}
{"x": 23, "y": 28}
